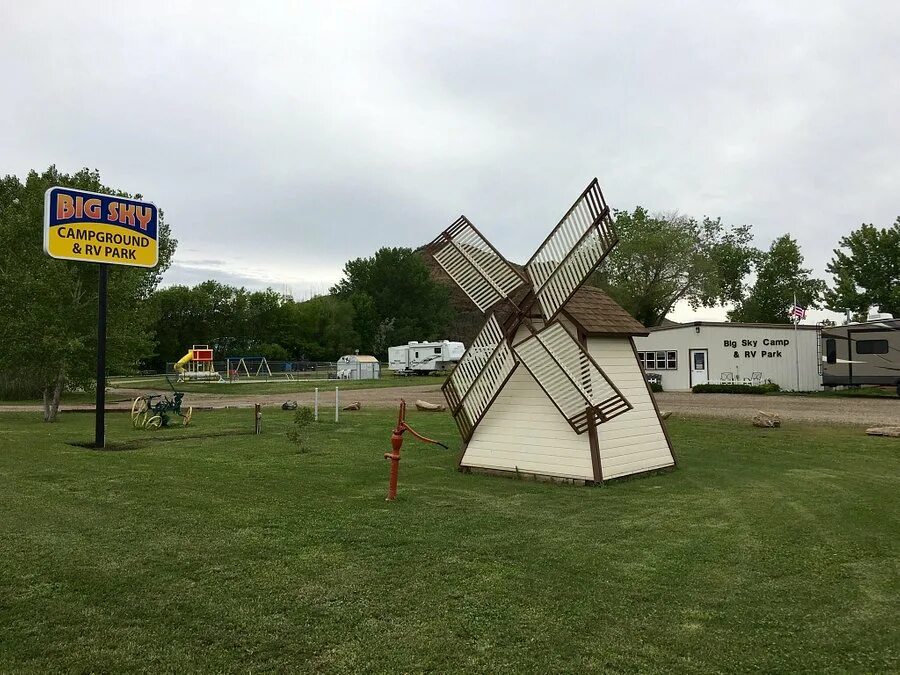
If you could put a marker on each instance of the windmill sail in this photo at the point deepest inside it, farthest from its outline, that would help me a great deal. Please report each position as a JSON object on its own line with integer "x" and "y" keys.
{"x": 479, "y": 375}
{"x": 574, "y": 382}
{"x": 475, "y": 265}
{"x": 574, "y": 249}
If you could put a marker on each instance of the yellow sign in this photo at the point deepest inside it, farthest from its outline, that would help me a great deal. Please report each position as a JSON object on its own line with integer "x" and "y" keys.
{"x": 93, "y": 227}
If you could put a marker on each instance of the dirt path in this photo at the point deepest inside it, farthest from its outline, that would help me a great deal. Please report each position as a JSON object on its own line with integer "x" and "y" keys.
{"x": 383, "y": 397}
{"x": 863, "y": 411}
{"x": 836, "y": 410}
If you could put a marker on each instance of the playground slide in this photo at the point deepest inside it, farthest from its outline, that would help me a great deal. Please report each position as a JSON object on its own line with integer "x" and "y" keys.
{"x": 179, "y": 365}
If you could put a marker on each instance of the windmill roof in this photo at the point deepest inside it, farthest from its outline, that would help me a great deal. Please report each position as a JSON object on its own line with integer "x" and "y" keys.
{"x": 598, "y": 314}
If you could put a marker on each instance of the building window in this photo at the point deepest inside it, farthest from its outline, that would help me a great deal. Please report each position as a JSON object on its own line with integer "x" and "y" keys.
{"x": 871, "y": 346}
{"x": 661, "y": 360}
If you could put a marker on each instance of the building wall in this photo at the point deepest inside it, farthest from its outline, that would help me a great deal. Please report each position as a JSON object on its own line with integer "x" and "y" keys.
{"x": 634, "y": 441}
{"x": 524, "y": 431}
{"x": 741, "y": 350}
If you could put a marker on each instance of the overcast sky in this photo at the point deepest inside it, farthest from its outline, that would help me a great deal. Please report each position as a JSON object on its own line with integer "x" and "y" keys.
{"x": 282, "y": 139}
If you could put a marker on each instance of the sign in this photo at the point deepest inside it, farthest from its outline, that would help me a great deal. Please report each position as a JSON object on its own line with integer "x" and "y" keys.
{"x": 93, "y": 227}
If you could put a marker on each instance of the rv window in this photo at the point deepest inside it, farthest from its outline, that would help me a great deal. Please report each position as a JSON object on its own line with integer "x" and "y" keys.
{"x": 437, "y": 350}
{"x": 831, "y": 350}
{"x": 417, "y": 354}
{"x": 871, "y": 346}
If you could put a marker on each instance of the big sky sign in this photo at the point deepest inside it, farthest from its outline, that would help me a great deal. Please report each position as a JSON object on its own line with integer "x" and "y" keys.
{"x": 93, "y": 227}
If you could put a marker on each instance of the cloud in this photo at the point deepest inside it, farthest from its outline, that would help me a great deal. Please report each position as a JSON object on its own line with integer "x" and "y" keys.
{"x": 283, "y": 140}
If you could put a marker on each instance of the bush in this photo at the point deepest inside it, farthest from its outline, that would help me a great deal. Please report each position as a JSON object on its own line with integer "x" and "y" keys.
{"x": 303, "y": 418}
{"x": 655, "y": 387}
{"x": 767, "y": 388}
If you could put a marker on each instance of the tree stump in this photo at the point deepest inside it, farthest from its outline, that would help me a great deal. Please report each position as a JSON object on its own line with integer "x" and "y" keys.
{"x": 429, "y": 407}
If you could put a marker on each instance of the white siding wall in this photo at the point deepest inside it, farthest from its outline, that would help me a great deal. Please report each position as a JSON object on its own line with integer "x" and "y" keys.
{"x": 523, "y": 430}
{"x": 634, "y": 441}
{"x": 776, "y": 363}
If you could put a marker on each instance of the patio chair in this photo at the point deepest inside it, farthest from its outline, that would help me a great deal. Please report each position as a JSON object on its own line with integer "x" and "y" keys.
{"x": 756, "y": 379}
{"x": 727, "y": 377}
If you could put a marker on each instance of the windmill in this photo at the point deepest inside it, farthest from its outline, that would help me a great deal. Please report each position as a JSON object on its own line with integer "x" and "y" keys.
{"x": 573, "y": 381}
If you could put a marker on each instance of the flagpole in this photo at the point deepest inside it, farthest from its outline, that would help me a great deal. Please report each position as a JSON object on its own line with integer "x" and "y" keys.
{"x": 796, "y": 341}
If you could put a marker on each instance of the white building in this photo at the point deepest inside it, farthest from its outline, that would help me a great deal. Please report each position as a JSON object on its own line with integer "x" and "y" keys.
{"x": 712, "y": 352}
{"x": 358, "y": 367}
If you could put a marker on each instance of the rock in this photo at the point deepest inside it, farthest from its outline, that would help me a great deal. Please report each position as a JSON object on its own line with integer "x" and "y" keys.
{"x": 356, "y": 405}
{"x": 884, "y": 431}
{"x": 766, "y": 419}
{"x": 289, "y": 405}
{"x": 429, "y": 407}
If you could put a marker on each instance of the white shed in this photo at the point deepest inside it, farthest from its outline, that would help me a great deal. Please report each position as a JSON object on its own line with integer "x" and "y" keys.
{"x": 701, "y": 352}
{"x": 523, "y": 432}
{"x": 358, "y": 367}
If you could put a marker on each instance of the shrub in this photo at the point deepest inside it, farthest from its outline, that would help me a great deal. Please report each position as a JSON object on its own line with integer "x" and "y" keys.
{"x": 303, "y": 418}
{"x": 767, "y": 388}
{"x": 655, "y": 387}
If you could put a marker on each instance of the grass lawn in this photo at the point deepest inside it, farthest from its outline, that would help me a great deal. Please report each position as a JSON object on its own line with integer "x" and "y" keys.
{"x": 772, "y": 550}
{"x": 246, "y": 388}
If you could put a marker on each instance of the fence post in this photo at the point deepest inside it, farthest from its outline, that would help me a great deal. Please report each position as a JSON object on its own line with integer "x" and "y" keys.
{"x": 316, "y": 406}
{"x": 337, "y": 404}
{"x": 258, "y": 418}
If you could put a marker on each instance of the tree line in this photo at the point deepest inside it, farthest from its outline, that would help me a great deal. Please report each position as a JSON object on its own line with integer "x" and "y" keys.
{"x": 48, "y": 307}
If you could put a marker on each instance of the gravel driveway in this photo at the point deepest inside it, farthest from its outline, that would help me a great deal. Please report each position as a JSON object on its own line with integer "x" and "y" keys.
{"x": 862, "y": 411}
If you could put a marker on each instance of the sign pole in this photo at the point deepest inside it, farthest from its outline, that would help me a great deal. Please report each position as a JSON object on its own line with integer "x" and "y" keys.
{"x": 100, "y": 405}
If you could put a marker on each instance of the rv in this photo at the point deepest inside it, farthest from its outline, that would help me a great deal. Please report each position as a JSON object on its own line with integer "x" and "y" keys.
{"x": 862, "y": 353}
{"x": 423, "y": 358}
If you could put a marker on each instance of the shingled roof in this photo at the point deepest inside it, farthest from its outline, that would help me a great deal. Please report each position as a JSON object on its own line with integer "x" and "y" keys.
{"x": 600, "y": 315}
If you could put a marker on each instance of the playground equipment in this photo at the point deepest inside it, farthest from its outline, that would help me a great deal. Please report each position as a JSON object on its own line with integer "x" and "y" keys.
{"x": 147, "y": 414}
{"x": 396, "y": 443}
{"x": 257, "y": 364}
{"x": 197, "y": 364}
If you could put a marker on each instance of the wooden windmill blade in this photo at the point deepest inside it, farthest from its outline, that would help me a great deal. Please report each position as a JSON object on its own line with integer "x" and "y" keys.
{"x": 475, "y": 265}
{"x": 578, "y": 387}
{"x": 572, "y": 251}
{"x": 478, "y": 377}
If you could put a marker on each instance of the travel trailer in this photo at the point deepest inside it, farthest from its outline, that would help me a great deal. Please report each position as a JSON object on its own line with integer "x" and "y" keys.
{"x": 862, "y": 353}
{"x": 422, "y": 358}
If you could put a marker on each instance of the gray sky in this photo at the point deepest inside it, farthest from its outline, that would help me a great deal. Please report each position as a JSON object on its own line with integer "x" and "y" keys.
{"x": 282, "y": 139}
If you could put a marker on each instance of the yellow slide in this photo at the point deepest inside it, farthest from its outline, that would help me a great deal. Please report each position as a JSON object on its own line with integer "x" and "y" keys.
{"x": 179, "y": 365}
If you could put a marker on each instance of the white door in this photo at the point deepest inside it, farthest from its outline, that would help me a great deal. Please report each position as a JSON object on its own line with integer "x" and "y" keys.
{"x": 699, "y": 367}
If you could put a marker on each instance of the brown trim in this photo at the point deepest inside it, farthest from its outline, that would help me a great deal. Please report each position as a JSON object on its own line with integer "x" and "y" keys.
{"x": 662, "y": 422}
{"x": 596, "y": 408}
{"x": 571, "y": 208}
{"x": 593, "y": 440}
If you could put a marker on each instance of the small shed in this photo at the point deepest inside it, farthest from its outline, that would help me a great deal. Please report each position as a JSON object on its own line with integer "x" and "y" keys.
{"x": 358, "y": 367}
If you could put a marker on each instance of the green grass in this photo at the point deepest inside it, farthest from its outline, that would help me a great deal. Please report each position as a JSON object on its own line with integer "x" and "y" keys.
{"x": 276, "y": 387}
{"x": 771, "y": 550}
{"x": 862, "y": 392}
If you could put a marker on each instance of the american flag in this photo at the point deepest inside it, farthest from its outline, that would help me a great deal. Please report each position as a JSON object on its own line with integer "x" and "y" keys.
{"x": 798, "y": 312}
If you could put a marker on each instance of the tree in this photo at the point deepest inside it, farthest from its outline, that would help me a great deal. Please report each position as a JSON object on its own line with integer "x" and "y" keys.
{"x": 394, "y": 299}
{"x": 866, "y": 271}
{"x": 664, "y": 258}
{"x": 48, "y": 308}
{"x": 780, "y": 277}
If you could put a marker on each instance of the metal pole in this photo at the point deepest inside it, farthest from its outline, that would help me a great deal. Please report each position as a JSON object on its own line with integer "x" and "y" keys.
{"x": 316, "y": 406}
{"x": 797, "y": 352}
{"x": 100, "y": 403}
{"x": 337, "y": 404}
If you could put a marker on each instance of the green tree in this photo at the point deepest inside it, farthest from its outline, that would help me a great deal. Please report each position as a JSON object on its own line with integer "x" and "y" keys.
{"x": 394, "y": 299}
{"x": 48, "y": 308}
{"x": 866, "y": 271}
{"x": 664, "y": 258}
{"x": 780, "y": 277}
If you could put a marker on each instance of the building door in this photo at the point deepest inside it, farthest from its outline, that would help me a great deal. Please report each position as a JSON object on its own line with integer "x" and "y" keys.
{"x": 699, "y": 367}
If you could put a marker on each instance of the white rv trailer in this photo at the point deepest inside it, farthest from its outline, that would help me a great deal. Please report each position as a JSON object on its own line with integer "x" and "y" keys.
{"x": 422, "y": 358}
{"x": 866, "y": 353}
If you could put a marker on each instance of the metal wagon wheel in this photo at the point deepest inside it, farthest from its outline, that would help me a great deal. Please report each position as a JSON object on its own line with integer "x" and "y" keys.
{"x": 153, "y": 423}
{"x": 138, "y": 409}
{"x": 187, "y": 416}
